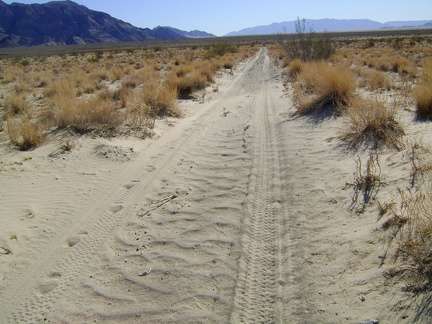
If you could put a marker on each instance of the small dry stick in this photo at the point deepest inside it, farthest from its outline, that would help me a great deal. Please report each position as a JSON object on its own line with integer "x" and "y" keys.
{"x": 143, "y": 274}
{"x": 160, "y": 203}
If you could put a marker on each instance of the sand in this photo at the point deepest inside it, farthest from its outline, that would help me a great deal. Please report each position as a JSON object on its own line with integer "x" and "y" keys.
{"x": 237, "y": 212}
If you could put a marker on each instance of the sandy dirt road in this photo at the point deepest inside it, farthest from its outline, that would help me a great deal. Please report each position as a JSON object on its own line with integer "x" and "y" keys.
{"x": 190, "y": 229}
{"x": 226, "y": 217}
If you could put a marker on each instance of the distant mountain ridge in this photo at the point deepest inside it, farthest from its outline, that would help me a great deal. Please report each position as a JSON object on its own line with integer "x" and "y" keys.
{"x": 191, "y": 34}
{"x": 66, "y": 22}
{"x": 320, "y": 25}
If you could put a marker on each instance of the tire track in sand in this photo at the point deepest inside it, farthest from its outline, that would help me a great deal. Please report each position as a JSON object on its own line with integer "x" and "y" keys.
{"x": 260, "y": 283}
{"x": 37, "y": 290}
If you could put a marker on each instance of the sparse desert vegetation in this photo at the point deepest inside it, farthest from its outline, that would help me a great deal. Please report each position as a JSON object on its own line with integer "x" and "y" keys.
{"x": 323, "y": 89}
{"x": 102, "y": 90}
{"x": 334, "y": 169}
{"x": 370, "y": 86}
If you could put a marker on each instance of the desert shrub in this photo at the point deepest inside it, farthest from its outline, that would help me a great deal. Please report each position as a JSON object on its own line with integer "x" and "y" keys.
{"x": 106, "y": 94}
{"x": 426, "y": 75}
{"x": 423, "y": 92}
{"x": 130, "y": 82}
{"x": 295, "y": 67}
{"x": 158, "y": 101}
{"x": 63, "y": 87}
{"x": 371, "y": 123}
{"x": 24, "y": 132}
{"x": 83, "y": 115}
{"x": 220, "y": 49}
{"x": 187, "y": 84}
{"x": 44, "y": 79}
{"x": 21, "y": 87}
{"x": 412, "y": 217}
{"x": 207, "y": 70}
{"x": 116, "y": 73}
{"x": 228, "y": 62}
{"x": 373, "y": 79}
{"x": 8, "y": 77}
{"x": 182, "y": 70}
{"x": 100, "y": 74}
{"x": 403, "y": 66}
{"x": 324, "y": 89}
{"x": 423, "y": 99}
{"x": 367, "y": 182}
{"x": 16, "y": 104}
{"x": 307, "y": 46}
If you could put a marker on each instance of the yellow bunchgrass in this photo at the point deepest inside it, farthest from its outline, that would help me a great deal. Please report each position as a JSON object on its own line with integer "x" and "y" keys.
{"x": 157, "y": 101}
{"x": 83, "y": 114}
{"x": 186, "y": 85}
{"x": 295, "y": 67}
{"x": 371, "y": 123}
{"x": 423, "y": 92}
{"x": 16, "y": 104}
{"x": 372, "y": 79}
{"x": 63, "y": 87}
{"x": 324, "y": 88}
{"x": 24, "y": 132}
{"x": 93, "y": 91}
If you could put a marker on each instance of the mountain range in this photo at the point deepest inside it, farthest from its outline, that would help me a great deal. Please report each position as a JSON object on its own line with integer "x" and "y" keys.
{"x": 66, "y": 22}
{"x": 321, "y": 25}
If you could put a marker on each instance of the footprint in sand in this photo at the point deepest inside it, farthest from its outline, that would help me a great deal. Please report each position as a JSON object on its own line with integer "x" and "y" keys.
{"x": 49, "y": 284}
{"x": 72, "y": 241}
{"x": 129, "y": 185}
{"x": 115, "y": 208}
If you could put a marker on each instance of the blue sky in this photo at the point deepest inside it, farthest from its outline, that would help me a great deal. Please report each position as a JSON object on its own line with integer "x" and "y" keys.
{"x": 220, "y": 17}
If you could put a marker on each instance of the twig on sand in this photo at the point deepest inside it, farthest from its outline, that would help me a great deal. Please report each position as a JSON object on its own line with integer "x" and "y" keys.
{"x": 146, "y": 273}
{"x": 159, "y": 203}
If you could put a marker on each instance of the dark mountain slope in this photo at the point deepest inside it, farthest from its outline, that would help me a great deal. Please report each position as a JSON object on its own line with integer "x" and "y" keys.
{"x": 65, "y": 22}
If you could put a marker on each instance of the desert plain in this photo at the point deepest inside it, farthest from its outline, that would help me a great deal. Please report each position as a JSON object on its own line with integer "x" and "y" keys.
{"x": 223, "y": 204}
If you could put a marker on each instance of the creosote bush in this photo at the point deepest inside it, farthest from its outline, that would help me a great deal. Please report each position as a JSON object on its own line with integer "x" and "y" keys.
{"x": 307, "y": 46}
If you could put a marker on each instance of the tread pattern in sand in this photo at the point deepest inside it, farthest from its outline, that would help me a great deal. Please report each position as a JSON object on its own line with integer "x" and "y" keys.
{"x": 258, "y": 293}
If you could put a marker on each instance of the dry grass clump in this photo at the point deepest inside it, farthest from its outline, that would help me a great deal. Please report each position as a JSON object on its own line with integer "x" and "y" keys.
{"x": 83, "y": 115}
{"x": 403, "y": 65}
{"x": 324, "y": 89}
{"x": 412, "y": 218}
{"x": 24, "y": 132}
{"x": 187, "y": 84}
{"x": 157, "y": 101}
{"x": 16, "y": 104}
{"x": 423, "y": 92}
{"x": 228, "y": 62}
{"x": 420, "y": 166}
{"x": 116, "y": 73}
{"x": 367, "y": 182}
{"x": 63, "y": 87}
{"x": 371, "y": 123}
{"x": 372, "y": 79}
{"x": 99, "y": 91}
{"x": 295, "y": 67}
